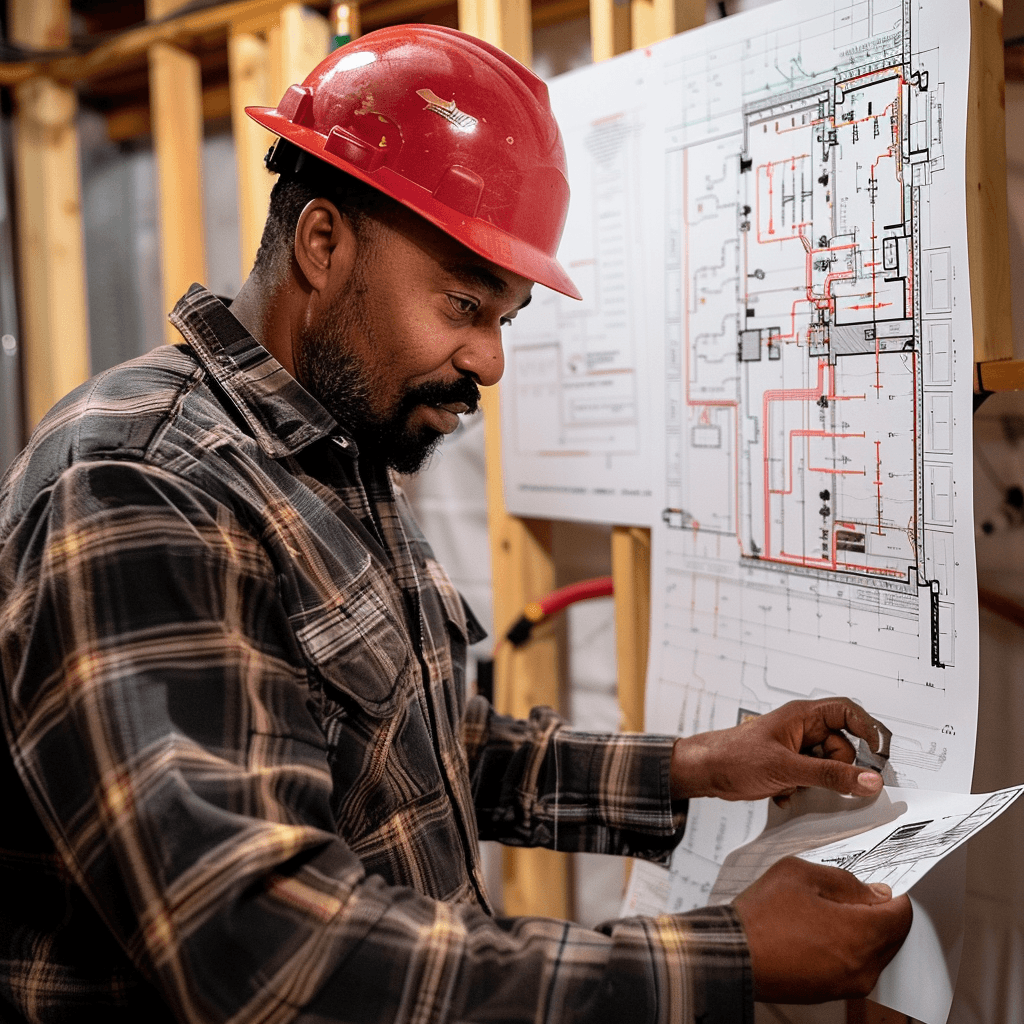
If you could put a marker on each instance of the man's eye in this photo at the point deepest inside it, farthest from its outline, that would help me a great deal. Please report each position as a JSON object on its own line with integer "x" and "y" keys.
{"x": 463, "y": 305}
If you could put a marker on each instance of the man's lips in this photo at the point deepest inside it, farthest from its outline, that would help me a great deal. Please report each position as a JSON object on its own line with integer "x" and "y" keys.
{"x": 443, "y": 418}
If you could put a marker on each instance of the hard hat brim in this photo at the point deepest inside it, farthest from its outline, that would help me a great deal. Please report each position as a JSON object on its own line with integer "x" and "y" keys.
{"x": 480, "y": 236}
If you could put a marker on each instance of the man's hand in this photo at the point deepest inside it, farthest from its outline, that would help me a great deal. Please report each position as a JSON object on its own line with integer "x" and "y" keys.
{"x": 817, "y": 933}
{"x": 771, "y": 755}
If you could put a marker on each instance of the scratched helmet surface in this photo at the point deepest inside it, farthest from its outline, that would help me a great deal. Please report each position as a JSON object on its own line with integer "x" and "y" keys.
{"x": 449, "y": 126}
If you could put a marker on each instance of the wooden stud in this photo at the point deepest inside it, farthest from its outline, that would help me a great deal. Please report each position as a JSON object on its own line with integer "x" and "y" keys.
{"x": 658, "y": 19}
{"x": 299, "y": 40}
{"x": 43, "y": 25}
{"x": 54, "y": 313}
{"x": 249, "y": 75}
{"x": 987, "y": 225}
{"x": 536, "y": 882}
{"x": 522, "y": 569}
{"x": 631, "y": 571}
{"x": 507, "y": 24}
{"x": 610, "y": 28}
{"x": 176, "y": 101}
{"x": 1000, "y": 375}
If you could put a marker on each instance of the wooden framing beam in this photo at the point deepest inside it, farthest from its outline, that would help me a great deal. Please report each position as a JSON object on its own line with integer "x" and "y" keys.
{"x": 51, "y": 250}
{"x": 262, "y": 66}
{"x": 536, "y": 882}
{"x": 658, "y": 19}
{"x": 522, "y": 569}
{"x": 176, "y": 100}
{"x": 109, "y": 57}
{"x": 559, "y": 11}
{"x": 987, "y": 219}
{"x": 135, "y": 119}
{"x": 249, "y": 64}
{"x": 392, "y": 12}
{"x": 631, "y": 572}
{"x": 508, "y": 24}
{"x": 299, "y": 40}
{"x": 610, "y": 28}
{"x": 45, "y": 25}
{"x": 999, "y": 375}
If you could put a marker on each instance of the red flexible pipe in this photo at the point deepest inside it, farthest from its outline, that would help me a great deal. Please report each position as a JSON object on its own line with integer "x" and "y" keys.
{"x": 550, "y": 604}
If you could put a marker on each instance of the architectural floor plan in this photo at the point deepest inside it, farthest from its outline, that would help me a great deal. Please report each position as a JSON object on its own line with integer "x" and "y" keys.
{"x": 816, "y": 308}
{"x": 816, "y": 535}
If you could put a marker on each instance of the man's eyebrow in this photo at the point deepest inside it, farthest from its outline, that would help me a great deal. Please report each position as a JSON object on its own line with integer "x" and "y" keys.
{"x": 478, "y": 274}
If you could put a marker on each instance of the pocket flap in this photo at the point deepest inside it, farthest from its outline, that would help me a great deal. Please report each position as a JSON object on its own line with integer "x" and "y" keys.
{"x": 359, "y": 647}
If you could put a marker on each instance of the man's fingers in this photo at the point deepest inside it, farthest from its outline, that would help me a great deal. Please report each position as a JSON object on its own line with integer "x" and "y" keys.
{"x": 817, "y": 933}
{"x": 841, "y": 713}
{"x": 837, "y": 747}
{"x": 825, "y": 773}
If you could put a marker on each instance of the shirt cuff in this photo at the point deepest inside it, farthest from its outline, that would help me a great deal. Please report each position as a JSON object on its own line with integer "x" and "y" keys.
{"x": 633, "y": 784}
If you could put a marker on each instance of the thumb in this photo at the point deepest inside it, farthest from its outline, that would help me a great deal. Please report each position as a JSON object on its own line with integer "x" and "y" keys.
{"x": 839, "y": 886}
{"x": 829, "y": 774}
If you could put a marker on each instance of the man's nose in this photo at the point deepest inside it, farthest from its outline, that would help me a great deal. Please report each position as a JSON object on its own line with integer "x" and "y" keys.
{"x": 482, "y": 356}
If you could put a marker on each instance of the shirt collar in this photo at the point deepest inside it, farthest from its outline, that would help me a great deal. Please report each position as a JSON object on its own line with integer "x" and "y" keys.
{"x": 284, "y": 418}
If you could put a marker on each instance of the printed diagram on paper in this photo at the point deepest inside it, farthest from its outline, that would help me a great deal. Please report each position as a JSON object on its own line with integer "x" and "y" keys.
{"x": 896, "y": 839}
{"x": 816, "y": 318}
{"x": 578, "y": 432}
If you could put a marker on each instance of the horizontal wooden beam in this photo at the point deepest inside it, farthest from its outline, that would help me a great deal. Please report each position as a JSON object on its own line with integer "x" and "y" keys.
{"x": 392, "y": 12}
{"x": 180, "y": 31}
{"x": 558, "y": 11}
{"x": 999, "y": 375}
{"x": 135, "y": 119}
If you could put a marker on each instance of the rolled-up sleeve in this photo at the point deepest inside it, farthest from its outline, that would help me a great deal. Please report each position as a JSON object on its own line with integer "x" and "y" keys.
{"x": 538, "y": 783}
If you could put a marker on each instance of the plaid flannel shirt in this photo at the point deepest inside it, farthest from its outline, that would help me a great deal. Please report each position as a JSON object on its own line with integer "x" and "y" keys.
{"x": 242, "y": 780}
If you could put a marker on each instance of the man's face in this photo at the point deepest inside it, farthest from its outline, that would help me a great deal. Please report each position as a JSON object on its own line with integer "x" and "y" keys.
{"x": 397, "y": 351}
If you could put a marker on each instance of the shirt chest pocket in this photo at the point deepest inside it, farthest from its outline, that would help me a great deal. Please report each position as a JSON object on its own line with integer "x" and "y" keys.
{"x": 365, "y": 679}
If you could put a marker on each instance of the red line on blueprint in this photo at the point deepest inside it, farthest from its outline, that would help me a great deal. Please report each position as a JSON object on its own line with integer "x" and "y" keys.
{"x": 816, "y": 469}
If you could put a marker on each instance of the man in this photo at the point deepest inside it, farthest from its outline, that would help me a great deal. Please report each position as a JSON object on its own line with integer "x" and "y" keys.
{"x": 243, "y": 782}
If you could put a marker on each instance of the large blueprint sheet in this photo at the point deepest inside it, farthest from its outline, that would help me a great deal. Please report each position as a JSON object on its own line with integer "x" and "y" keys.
{"x": 816, "y": 534}
{"x": 769, "y": 227}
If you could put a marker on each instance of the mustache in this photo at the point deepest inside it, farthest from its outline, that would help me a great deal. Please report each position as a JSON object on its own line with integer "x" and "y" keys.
{"x": 463, "y": 390}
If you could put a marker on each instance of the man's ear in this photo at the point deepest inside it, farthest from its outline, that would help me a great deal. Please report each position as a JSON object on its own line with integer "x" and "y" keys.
{"x": 325, "y": 246}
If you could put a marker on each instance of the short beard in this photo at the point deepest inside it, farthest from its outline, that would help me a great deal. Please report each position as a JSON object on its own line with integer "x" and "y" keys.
{"x": 328, "y": 369}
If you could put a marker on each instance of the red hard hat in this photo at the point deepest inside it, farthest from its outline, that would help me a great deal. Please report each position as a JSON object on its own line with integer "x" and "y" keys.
{"x": 449, "y": 126}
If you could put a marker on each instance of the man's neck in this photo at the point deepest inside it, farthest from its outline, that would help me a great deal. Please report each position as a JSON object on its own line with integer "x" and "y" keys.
{"x": 271, "y": 315}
